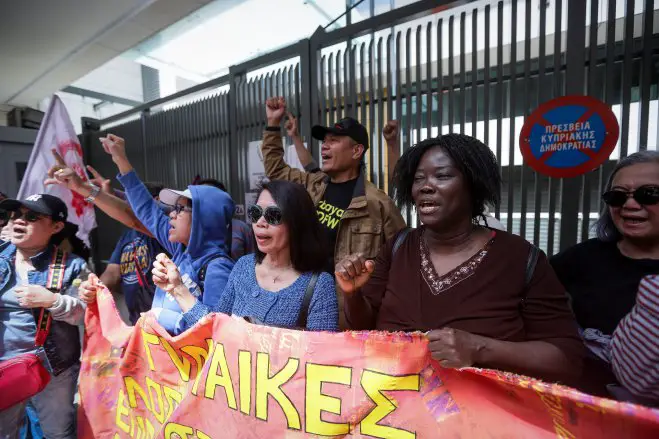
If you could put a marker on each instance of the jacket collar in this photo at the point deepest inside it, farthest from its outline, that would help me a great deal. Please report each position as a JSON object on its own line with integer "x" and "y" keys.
{"x": 39, "y": 261}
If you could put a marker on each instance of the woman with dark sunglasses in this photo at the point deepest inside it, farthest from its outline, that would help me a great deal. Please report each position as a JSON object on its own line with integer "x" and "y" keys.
{"x": 602, "y": 274}
{"x": 269, "y": 287}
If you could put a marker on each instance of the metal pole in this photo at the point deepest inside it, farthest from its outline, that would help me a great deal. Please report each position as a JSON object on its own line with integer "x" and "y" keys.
{"x": 575, "y": 61}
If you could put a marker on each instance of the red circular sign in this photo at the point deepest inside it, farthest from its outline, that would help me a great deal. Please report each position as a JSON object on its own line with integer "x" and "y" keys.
{"x": 569, "y": 136}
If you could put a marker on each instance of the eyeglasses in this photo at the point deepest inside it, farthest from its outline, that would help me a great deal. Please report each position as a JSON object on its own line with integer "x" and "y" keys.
{"x": 272, "y": 214}
{"x": 178, "y": 209}
{"x": 30, "y": 216}
{"x": 645, "y": 195}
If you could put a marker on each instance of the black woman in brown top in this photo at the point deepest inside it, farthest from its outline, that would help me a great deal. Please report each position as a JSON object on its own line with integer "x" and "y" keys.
{"x": 463, "y": 283}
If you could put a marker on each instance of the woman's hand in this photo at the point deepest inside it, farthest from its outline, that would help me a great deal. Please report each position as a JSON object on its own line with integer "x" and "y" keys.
{"x": 454, "y": 348}
{"x": 353, "y": 272}
{"x": 61, "y": 174}
{"x": 166, "y": 275}
{"x": 116, "y": 147}
{"x": 34, "y": 296}
{"x": 88, "y": 289}
{"x": 100, "y": 181}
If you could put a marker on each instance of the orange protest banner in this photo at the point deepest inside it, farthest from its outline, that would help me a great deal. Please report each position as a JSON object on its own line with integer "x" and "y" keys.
{"x": 225, "y": 378}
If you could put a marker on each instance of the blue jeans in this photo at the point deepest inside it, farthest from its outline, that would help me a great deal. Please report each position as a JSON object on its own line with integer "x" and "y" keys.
{"x": 57, "y": 414}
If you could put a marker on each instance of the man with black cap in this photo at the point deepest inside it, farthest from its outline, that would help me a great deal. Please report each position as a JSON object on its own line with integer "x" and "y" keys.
{"x": 357, "y": 216}
{"x": 40, "y": 311}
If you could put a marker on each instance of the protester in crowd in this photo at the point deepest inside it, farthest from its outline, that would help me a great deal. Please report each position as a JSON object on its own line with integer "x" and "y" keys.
{"x": 194, "y": 233}
{"x": 356, "y": 216}
{"x": 242, "y": 238}
{"x": 602, "y": 275}
{"x": 635, "y": 346}
{"x": 26, "y": 264}
{"x": 488, "y": 298}
{"x": 129, "y": 269}
{"x": 283, "y": 281}
{"x": 306, "y": 159}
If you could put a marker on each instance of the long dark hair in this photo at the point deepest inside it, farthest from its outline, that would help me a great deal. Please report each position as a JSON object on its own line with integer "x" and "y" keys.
{"x": 604, "y": 228}
{"x": 475, "y": 161}
{"x": 306, "y": 238}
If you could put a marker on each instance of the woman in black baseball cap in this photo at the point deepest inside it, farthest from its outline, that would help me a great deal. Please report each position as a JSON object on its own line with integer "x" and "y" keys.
{"x": 39, "y": 317}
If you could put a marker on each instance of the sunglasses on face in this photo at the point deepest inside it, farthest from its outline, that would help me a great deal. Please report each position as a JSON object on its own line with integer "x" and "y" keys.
{"x": 271, "y": 214}
{"x": 30, "y": 216}
{"x": 645, "y": 196}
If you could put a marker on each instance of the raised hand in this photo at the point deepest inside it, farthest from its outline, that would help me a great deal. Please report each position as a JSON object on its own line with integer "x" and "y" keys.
{"x": 63, "y": 175}
{"x": 275, "y": 108}
{"x": 291, "y": 126}
{"x": 390, "y": 131}
{"x": 99, "y": 180}
{"x": 353, "y": 272}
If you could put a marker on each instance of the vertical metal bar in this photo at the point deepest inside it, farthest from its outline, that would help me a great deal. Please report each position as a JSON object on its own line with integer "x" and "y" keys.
{"x": 511, "y": 113}
{"x": 380, "y": 124}
{"x": 322, "y": 93}
{"x": 330, "y": 76}
{"x": 407, "y": 140}
{"x": 390, "y": 84}
{"x": 440, "y": 77}
{"x": 362, "y": 83}
{"x": 627, "y": 73}
{"x": 527, "y": 104}
{"x": 339, "y": 95}
{"x": 540, "y": 180}
{"x": 499, "y": 106}
{"x": 474, "y": 73}
{"x": 306, "y": 75}
{"x": 390, "y": 103}
{"x": 554, "y": 184}
{"x": 486, "y": 78}
{"x": 574, "y": 84}
{"x": 346, "y": 79}
{"x": 451, "y": 74}
{"x": 417, "y": 84}
{"x": 429, "y": 93}
{"x": 144, "y": 117}
{"x": 587, "y": 179}
{"x": 399, "y": 98}
{"x": 462, "y": 108}
{"x": 371, "y": 116}
{"x": 353, "y": 81}
{"x": 646, "y": 76}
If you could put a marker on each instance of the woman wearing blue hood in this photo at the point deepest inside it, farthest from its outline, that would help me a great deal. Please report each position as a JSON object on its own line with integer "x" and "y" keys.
{"x": 194, "y": 233}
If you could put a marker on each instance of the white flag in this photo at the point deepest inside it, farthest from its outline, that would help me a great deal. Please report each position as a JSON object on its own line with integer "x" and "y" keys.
{"x": 57, "y": 133}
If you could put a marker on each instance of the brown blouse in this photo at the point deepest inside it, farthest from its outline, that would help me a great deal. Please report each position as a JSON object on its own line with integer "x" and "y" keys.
{"x": 482, "y": 296}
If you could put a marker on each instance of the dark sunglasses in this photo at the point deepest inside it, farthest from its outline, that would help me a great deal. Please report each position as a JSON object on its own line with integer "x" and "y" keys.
{"x": 30, "y": 216}
{"x": 645, "y": 195}
{"x": 272, "y": 214}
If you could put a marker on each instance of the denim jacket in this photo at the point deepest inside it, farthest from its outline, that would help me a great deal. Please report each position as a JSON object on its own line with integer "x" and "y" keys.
{"x": 62, "y": 347}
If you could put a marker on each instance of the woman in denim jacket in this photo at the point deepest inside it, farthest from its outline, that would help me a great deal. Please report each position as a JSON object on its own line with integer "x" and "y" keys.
{"x": 37, "y": 225}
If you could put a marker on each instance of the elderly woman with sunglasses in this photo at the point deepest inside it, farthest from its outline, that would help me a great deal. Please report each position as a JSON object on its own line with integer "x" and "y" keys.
{"x": 283, "y": 284}
{"x": 602, "y": 275}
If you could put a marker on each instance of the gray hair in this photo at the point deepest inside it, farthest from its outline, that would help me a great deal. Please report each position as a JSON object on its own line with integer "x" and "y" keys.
{"x": 604, "y": 227}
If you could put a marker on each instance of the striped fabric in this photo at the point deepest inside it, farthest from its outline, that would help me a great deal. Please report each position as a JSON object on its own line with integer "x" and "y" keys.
{"x": 635, "y": 343}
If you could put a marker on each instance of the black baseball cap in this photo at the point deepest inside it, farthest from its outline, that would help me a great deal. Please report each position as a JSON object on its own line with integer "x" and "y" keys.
{"x": 345, "y": 127}
{"x": 44, "y": 204}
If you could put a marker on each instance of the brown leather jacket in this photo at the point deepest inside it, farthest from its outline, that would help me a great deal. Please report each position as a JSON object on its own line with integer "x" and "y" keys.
{"x": 369, "y": 221}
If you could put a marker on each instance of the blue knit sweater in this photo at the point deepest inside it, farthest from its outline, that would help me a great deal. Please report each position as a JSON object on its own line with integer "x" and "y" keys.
{"x": 245, "y": 298}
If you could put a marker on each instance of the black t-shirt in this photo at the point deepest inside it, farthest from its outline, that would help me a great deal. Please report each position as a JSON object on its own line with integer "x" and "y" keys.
{"x": 601, "y": 281}
{"x": 330, "y": 210}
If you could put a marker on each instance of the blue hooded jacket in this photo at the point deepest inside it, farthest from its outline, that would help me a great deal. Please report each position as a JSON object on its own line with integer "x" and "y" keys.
{"x": 212, "y": 210}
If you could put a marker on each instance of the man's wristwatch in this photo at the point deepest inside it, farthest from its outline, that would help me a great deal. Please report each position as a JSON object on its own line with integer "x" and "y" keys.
{"x": 94, "y": 193}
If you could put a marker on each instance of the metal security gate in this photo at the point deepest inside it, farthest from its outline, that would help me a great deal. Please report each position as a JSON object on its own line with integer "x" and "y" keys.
{"x": 475, "y": 67}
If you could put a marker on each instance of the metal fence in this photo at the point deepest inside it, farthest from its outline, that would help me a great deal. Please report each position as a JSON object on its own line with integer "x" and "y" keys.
{"x": 437, "y": 66}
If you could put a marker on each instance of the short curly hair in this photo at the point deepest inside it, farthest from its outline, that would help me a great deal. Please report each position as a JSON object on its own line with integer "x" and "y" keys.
{"x": 470, "y": 156}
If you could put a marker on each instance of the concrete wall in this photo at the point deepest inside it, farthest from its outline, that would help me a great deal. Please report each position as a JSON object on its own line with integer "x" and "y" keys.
{"x": 15, "y": 148}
